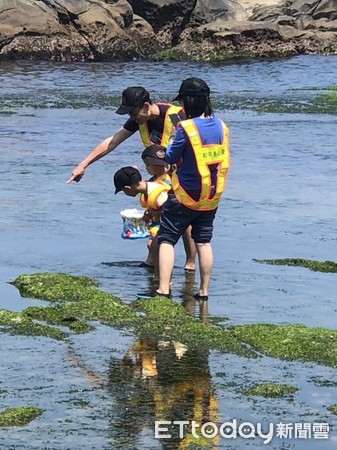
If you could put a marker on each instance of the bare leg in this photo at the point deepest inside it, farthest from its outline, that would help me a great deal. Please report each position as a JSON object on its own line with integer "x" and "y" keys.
{"x": 190, "y": 250}
{"x": 149, "y": 259}
{"x": 166, "y": 262}
{"x": 155, "y": 257}
{"x": 205, "y": 255}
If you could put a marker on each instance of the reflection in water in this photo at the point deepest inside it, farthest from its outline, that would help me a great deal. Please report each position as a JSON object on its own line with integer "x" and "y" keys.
{"x": 161, "y": 380}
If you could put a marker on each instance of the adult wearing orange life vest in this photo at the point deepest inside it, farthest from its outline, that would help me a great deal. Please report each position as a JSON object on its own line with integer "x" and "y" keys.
{"x": 155, "y": 122}
{"x": 201, "y": 146}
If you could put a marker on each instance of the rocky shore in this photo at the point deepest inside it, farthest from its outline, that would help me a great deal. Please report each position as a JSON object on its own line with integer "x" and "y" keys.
{"x": 205, "y": 30}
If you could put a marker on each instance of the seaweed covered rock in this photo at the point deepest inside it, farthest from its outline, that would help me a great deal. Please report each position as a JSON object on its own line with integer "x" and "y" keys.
{"x": 20, "y": 416}
{"x": 316, "y": 266}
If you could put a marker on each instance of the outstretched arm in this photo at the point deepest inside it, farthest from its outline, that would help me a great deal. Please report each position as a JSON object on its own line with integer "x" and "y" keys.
{"x": 101, "y": 150}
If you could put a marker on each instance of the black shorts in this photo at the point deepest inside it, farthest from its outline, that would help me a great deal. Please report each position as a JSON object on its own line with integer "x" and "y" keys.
{"x": 176, "y": 218}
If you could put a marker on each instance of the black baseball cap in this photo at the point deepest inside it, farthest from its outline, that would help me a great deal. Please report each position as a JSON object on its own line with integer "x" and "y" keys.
{"x": 155, "y": 155}
{"x": 126, "y": 176}
{"x": 194, "y": 87}
{"x": 133, "y": 97}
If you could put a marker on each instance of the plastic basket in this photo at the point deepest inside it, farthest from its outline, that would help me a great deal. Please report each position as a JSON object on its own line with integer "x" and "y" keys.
{"x": 134, "y": 226}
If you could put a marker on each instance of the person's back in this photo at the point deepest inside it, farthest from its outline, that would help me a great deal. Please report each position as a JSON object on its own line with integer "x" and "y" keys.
{"x": 201, "y": 151}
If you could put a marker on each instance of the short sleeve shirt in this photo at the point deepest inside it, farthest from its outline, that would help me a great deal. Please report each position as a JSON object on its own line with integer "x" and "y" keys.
{"x": 156, "y": 126}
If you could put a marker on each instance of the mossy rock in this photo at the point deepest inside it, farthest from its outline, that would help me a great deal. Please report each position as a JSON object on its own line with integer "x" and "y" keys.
{"x": 316, "y": 266}
{"x": 291, "y": 342}
{"x": 163, "y": 319}
{"x": 333, "y": 409}
{"x": 54, "y": 286}
{"x": 19, "y": 324}
{"x": 57, "y": 316}
{"x": 161, "y": 308}
{"x": 79, "y": 298}
{"x": 14, "y": 417}
{"x": 166, "y": 319}
{"x": 271, "y": 390}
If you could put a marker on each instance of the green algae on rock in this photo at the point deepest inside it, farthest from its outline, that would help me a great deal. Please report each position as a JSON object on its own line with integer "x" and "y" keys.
{"x": 316, "y": 266}
{"x": 76, "y": 297}
{"x": 54, "y": 286}
{"x": 56, "y": 316}
{"x": 14, "y": 417}
{"x": 271, "y": 390}
{"x": 291, "y": 342}
{"x": 17, "y": 323}
{"x": 178, "y": 54}
{"x": 333, "y": 409}
{"x": 166, "y": 319}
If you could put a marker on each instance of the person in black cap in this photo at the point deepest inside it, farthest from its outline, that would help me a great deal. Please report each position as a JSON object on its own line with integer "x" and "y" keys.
{"x": 156, "y": 123}
{"x": 201, "y": 146}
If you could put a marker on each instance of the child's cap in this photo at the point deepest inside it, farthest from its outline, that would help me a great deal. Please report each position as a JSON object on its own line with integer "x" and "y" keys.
{"x": 126, "y": 176}
{"x": 155, "y": 155}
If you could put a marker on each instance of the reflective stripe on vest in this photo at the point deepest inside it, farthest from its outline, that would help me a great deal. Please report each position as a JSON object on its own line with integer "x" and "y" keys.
{"x": 167, "y": 128}
{"x": 150, "y": 200}
{"x": 205, "y": 155}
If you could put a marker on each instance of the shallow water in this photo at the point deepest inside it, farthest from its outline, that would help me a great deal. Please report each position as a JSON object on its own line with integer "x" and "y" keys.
{"x": 280, "y": 202}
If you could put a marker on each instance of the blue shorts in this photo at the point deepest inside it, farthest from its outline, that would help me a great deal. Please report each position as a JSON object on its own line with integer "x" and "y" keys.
{"x": 176, "y": 218}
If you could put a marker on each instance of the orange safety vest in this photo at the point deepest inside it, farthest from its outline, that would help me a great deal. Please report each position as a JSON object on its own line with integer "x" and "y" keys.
{"x": 205, "y": 156}
{"x": 150, "y": 200}
{"x": 169, "y": 126}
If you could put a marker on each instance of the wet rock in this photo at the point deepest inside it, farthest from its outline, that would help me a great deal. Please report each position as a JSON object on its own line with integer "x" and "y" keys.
{"x": 19, "y": 416}
{"x": 98, "y": 30}
{"x": 71, "y": 30}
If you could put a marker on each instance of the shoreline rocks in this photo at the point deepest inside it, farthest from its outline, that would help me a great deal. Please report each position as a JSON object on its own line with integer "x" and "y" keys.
{"x": 204, "y": 30}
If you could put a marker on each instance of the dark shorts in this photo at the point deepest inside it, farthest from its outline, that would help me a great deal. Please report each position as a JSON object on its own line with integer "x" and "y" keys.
{"x": 176, "y": 218}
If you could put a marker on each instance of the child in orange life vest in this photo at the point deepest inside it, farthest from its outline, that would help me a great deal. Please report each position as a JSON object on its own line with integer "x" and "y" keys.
{"x": 152, "y": 195}
{"x": 154, "y": 159}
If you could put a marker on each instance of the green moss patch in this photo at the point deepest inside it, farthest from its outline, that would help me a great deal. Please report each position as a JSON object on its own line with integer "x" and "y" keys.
{"x": 77, "y": 297}
{"x": 54, "y": 286}
{"x": 57, "y": 316}
{"x": 271, "y": 390}
{"x": 14, "y": 417}
{"x": 317, "y": 266}
{"x": 161, "y": 318}
{"x": 161, "y": 308}
{"x": 19, "y": 324}
{"x": 166, "y": 319}
{"x": 291, "y": 342}
{"x": 333, "y": 409}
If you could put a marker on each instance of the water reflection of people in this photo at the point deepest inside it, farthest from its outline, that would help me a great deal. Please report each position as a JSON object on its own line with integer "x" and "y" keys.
{"x": 188, "y": 300}
{"x": 161, "y": 380}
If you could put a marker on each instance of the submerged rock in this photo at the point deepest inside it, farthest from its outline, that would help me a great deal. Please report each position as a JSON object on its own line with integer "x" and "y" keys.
{"x": 161, "y": 318}
{"x": 14, "y": 417}
{"x": 291, "y": 342}
{"x": 316, "y": 266}
{"x": 271, "y": 390}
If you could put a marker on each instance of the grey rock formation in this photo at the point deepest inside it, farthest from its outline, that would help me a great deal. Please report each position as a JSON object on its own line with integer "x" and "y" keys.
{"x": 82, "y": 30}
{"x": 72, "y": 30}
